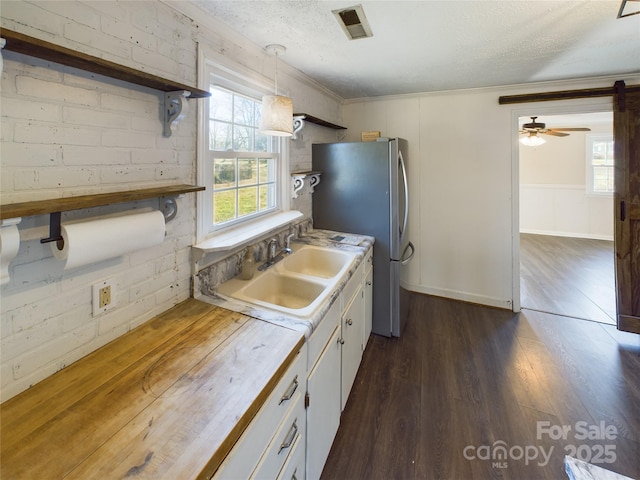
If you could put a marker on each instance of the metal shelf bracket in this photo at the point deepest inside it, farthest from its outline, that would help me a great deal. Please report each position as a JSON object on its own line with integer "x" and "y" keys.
{"x": 175, "y": 109}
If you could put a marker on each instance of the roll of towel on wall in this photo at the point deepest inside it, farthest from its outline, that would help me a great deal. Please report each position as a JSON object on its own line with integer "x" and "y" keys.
{"x": 9, "y": 246}
{"x": 97, "y": 240}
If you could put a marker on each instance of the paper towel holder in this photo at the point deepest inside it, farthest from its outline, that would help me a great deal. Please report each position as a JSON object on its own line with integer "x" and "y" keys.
{"x": 169, "y": 209}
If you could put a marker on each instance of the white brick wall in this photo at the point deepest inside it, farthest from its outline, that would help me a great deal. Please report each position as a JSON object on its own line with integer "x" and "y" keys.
{"x": 67, "y": 132}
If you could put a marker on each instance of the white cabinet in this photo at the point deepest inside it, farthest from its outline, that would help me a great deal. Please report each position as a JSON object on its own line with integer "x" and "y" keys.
{"x": 352, "y": 328}
{"x": 368, "y": 297}
{"x": 323, "y": 412}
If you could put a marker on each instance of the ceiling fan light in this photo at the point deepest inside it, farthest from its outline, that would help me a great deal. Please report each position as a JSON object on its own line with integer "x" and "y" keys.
{"x": 532, "y": 140}
{"x": 277, "y": 116}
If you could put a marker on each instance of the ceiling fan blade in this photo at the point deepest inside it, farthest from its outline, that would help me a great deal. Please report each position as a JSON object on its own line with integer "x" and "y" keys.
{"x": 555, "y": 134}
{"x": 577, "y": 129}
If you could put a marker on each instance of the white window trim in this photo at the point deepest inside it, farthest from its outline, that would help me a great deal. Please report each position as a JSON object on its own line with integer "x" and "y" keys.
{"x": 234, "y": 75}
{"x": 590, "y": 138}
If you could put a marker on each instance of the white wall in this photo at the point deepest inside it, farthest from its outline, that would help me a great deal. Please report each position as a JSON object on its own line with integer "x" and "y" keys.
{"x": 66, "y": 132}
{"x": 463, "y": 168}
{"x": 553, "y": 191}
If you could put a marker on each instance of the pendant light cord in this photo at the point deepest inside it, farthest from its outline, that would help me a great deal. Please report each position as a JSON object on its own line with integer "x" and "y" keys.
{"x": 276, "y": 73}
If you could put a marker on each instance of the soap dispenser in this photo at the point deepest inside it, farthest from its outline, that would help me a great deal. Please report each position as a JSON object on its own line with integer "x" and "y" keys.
{"x": 248, "y": 265}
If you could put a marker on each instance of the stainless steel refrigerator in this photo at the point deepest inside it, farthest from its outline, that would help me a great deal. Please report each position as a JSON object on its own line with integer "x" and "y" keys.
{"x": 363, "y": 189}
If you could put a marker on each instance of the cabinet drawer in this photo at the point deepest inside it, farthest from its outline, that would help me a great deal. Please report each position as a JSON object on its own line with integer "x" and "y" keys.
{"x": 290, "y": 435}
{"x": 246, "y": 453}
{"x": 294, "y": 467}
{"x": 322, "y": 333}
{"x": 352, "y": 286}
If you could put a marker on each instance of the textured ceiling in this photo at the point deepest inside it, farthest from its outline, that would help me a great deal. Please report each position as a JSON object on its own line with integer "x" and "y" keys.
{"x": 422, "y": 46}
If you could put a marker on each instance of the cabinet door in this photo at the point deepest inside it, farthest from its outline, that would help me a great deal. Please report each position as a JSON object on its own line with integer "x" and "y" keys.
{"x": 323, "y": 412}
{"x": 368, "y": 307}
{"x": 352, "y": 332}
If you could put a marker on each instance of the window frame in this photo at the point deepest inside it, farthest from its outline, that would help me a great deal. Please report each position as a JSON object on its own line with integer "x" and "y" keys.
{"x": 244, "y": 81}
{"x": 590, "y": 140}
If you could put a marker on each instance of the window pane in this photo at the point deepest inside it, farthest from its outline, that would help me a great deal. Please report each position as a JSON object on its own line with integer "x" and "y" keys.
{"x": 247, "y": 171}
{"x": 221, "y": 105}
{"x": 244, "y": 112}
{"x": 220, "y": 136}
{"x": 247, "y": 201}
{"x": 267, "y": 196}
{"x": 602, "y": 179}
{"x": 224, "y": 173}
{"x": 267, "y": 170}
{"x": 243, "y": 139}
{"x": 261, "y": 142}
{"x": 224, "y": 206}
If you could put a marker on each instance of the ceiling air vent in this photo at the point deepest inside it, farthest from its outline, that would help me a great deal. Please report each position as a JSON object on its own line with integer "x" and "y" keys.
{"x": 353, "y": 22}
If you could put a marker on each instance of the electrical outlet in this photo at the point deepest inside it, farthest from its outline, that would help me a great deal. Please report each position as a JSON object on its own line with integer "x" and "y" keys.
{"x": 103, "y": 297}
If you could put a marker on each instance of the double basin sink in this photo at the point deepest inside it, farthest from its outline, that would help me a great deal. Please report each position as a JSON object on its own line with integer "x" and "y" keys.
{"x": 298, "y": 284}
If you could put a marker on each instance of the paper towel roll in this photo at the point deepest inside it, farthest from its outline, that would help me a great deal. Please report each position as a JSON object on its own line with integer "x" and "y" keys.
{"x": 97, "y": 240}
{"x": 9, "y": 246}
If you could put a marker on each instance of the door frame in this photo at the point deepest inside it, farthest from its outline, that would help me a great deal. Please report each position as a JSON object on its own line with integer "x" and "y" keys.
{"x": 561, "y": 107}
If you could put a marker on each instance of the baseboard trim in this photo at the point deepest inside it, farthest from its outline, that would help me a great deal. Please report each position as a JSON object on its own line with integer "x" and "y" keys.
{"x": 567, "y": 234}
{"x": 462, "y": 296}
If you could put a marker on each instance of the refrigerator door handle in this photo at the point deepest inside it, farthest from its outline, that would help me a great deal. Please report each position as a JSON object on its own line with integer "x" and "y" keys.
{"x": 406, "y": 195}
{"x": 404, "y": 259}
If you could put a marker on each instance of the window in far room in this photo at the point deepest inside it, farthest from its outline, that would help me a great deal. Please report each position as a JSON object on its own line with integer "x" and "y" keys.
{"x": 600, "y": 164}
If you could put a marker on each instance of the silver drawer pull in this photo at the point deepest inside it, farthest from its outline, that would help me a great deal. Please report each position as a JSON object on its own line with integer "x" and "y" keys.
{"x": 290, "y": 391}
{"x": 291, "y": 436}
{"x": 349, "y": 321}
{"x": 293, "y": 477}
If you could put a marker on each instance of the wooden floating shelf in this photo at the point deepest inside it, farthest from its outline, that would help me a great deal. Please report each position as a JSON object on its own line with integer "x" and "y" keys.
{"x": 42, "y": 207}
{"x": 319, "y": 121}
{"x": 18, "y": 42}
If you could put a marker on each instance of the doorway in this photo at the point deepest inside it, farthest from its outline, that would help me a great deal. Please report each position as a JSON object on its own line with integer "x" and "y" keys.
{"x": 566, "y": 251}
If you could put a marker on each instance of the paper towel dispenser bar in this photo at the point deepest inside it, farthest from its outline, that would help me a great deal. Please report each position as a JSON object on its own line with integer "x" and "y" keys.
{"x": 169, "y": 211}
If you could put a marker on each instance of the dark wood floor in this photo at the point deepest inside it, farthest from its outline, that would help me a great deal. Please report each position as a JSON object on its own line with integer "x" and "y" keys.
{"x": 568, "y": 276}
{"x": 467, "y": 378}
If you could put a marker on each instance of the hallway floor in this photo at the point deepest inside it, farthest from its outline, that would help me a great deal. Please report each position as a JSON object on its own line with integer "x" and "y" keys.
{"x": 573, "y": 277}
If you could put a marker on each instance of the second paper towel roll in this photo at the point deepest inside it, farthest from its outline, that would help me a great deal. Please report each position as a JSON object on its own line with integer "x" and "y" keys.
{"x": 97, "y": 240}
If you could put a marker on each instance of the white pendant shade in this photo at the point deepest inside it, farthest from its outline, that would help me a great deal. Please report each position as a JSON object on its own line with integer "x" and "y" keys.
{"x": 277, "y": 116}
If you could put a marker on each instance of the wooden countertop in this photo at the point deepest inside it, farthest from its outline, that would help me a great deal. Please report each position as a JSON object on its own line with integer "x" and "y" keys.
{"x": 167, "y": 400}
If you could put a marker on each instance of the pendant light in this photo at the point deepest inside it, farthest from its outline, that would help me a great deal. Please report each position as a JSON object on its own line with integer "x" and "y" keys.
{"x": 277, "y": 111}
{"x": 532, "y": 140}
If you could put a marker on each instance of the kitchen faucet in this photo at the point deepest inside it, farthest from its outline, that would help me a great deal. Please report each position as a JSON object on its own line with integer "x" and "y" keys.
{"x": 272, "y": 256}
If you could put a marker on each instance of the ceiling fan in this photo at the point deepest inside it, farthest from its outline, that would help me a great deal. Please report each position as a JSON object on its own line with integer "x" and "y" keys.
{"x": 533, "y": 128}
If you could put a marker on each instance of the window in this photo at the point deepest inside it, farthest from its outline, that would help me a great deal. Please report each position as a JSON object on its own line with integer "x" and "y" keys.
{"x": 244, "y": 170}
{"x": 600, "y": 164}
{"x": 246, "y": 174}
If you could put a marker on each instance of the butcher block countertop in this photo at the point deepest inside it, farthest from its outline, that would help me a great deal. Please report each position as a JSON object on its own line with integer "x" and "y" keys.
{"x": 167, "y": 400}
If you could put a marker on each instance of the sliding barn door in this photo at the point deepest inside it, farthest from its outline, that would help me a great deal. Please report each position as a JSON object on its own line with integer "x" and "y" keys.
{"x": 626, "y": 131}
